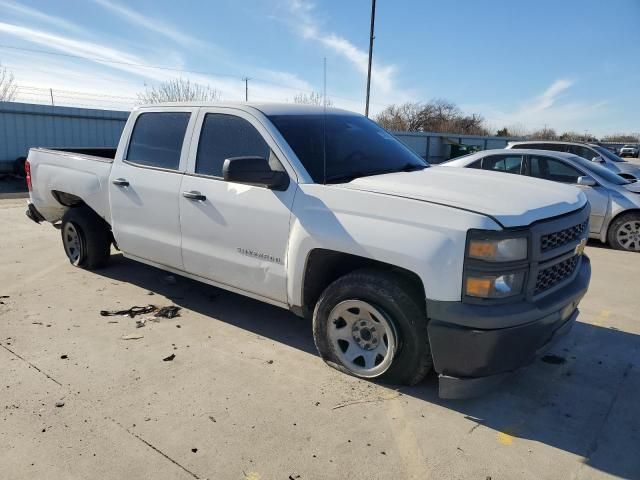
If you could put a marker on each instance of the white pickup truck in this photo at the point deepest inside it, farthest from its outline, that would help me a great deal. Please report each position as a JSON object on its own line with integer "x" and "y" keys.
{"x": 403, "y": 267}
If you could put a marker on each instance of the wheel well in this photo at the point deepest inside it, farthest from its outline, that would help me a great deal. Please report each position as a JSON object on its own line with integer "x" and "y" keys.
{"x": 325, "y": 266}
{"x": 624, "y": 212}
{"x": 67, "y": 199}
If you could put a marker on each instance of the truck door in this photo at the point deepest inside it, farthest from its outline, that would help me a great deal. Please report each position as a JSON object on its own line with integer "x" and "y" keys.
{"x": 145, "y": 184}
{"x": 234, "y": 234}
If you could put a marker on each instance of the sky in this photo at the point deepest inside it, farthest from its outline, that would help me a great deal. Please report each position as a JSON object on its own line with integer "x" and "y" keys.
{"x": 565, "y": 64}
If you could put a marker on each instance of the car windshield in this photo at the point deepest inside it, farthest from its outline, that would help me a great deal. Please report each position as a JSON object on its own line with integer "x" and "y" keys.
{"x": 599, "y": 170}
{"x": 608, "y": 154}
{"x": 353, "y": 146}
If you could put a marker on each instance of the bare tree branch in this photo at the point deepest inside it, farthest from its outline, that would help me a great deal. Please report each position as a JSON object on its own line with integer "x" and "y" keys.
{"x": 313, "y": 98}
{"x": 179, "y": 90}
{"x": 8, "y": 87}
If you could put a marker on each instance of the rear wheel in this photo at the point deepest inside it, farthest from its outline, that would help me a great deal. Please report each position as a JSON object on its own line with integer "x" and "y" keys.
{"x": 86, "y": 238}
{"x": 371, "y": 324}
{"x": 624, "y": 232}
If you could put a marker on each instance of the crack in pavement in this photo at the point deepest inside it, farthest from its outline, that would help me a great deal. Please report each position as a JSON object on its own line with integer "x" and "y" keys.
{"x": 31, "y": 364}
{"x": 154, "y": 448}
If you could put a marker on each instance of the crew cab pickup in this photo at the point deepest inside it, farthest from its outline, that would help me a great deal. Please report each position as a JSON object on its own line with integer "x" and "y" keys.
{"x": 402, "y": 268}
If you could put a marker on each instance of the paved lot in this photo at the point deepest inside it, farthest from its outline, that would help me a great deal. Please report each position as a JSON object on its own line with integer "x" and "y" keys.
{"x": 247, "y": 390}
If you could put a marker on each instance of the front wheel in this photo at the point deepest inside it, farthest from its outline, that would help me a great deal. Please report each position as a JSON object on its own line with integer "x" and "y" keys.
{"x": 624, "y": 232}
{"x": 372, "y": 324}
{"x": 86, "y": 238}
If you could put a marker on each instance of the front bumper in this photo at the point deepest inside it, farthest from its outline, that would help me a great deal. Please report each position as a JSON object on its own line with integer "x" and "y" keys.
{"x": 475, "y": 347}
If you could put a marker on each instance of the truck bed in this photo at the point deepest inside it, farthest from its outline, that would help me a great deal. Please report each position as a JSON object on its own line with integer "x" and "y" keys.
{"x": 83, "y": 172}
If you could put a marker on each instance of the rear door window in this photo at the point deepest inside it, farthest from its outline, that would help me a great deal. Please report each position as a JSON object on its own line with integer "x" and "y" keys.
{"x": 553, "y": 169}
{"x": 226, "y": 136}
{"x": 157, "y": 138}
{"x": 503, "y": 163}
{"x": 582, "y": 151}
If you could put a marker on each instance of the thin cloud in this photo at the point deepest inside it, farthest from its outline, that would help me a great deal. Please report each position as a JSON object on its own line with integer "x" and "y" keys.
{"x": 38, "y": 15}
{"x": 307, "y": 26}
{"x": 153, "y": 24}
{"x": 552, "y": 108}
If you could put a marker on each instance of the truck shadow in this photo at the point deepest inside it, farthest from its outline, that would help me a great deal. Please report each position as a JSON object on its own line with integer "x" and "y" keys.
{"x": 583, "y": 399}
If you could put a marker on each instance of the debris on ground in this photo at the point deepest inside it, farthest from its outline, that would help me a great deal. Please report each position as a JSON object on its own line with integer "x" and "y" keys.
{"x": 36, "y": 323}
{"x": 64, "y": 357}
{"x": 554, "y": 359}
{"x": 379, "y": 399}
{"x": 170, "y": 311}
{"x": 59, "y": 404}
{"x": 2, "y": 297}
{"x": 112, "y": 321}
{"x": 169, "y": 358}
{"x": 194, "y": 450}
{"x": 132, "y": 337}
{"x": 131, "y": 312}
{"x": 141, "y": 323}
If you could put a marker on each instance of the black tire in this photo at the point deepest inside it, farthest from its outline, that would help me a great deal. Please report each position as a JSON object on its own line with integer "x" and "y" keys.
{"x": 617, "y": 224}
{"x": 93, "y": 238}
{"x": 398, "y": 299}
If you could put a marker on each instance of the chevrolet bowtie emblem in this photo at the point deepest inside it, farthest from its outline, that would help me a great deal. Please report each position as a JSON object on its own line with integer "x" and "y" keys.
{"x": 580, "y": 246}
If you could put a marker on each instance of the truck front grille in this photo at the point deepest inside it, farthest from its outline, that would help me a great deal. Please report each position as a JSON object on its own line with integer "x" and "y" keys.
{"x": 562, "y": 237}
{"x": 555, "y": 274}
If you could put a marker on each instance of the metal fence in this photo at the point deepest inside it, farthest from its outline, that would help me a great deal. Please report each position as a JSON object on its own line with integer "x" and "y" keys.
{"x": 25, "y": 125}
{"x": 436, "y": 147}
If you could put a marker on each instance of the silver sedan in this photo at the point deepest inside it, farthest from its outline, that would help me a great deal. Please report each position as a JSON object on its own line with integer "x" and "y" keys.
{"x": 615, "y": 201}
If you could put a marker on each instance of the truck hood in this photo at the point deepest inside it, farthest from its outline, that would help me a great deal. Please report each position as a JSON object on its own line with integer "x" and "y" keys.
{"x": 512, "y": 200}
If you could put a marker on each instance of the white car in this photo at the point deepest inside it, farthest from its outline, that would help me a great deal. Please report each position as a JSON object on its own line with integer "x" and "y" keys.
{"x": 589, "y": 151}
{"x": 403, "y": 268}
{"x": 629, "y": 151}
{"x": 615, "y": 202}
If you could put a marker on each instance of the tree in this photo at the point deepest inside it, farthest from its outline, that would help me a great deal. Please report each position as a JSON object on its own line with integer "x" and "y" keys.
{"x": 503, "y": 132}
{"x": 179, "y": 90}
{"x": 622, "y": 138}
{"x": 8, "y": 87}
{"x": 441, "y": 116}
{"x": 313, "y": 98}
{"x": 572, "y": 137}
{"x": 544, "y": 134}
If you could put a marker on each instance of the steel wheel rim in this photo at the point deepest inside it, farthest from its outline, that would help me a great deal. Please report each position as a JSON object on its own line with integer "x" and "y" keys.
{"x": 628, "y": 235}
{"x": 362, "y": 337}
{"x": 72, "y": 242}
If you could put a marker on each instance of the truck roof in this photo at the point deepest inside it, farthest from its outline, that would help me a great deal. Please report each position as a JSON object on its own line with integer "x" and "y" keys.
{"x": 266, "y": 108}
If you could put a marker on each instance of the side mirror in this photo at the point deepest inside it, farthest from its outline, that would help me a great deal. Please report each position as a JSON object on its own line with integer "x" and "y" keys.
{"x": 598, "y": 159}
{"x": 254, "y": 171}
{"x": 586, "y": 181}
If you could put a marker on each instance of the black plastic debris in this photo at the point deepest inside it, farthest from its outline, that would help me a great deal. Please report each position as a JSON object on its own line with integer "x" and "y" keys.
{"x": 64, "y": 357}
{"x": 132, "y": 312}
{"x": 171, "y": 311}
{"x": 169, "y": 358}
{"x": 194, "y": 450}
{"x": 59, "y": 404}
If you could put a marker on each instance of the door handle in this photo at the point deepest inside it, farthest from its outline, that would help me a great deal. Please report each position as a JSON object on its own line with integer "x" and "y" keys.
{"x": 120, "y": 182}
{"x": 194, "y": 195}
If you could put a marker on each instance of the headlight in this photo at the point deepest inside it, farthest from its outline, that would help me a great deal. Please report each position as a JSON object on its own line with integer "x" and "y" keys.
{"x": 494, "y": 286}
{"x": 498, "y": 249}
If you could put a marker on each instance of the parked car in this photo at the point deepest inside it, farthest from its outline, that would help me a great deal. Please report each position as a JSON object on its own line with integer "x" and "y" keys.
{"x": 615, "y": 201}
{"x": 629, "y": 151}
{"x": 592, "y": 152}
{"x": 402, "y": 267}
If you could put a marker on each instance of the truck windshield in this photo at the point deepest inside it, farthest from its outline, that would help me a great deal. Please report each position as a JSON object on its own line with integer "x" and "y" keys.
{"x": 354, "y": 147}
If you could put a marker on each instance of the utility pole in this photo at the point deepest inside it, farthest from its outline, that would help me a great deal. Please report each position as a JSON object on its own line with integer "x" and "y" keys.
{"x": 51, "y": 92}
{"x": 246, "y": 88}
{"x": 371, "y": 37}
